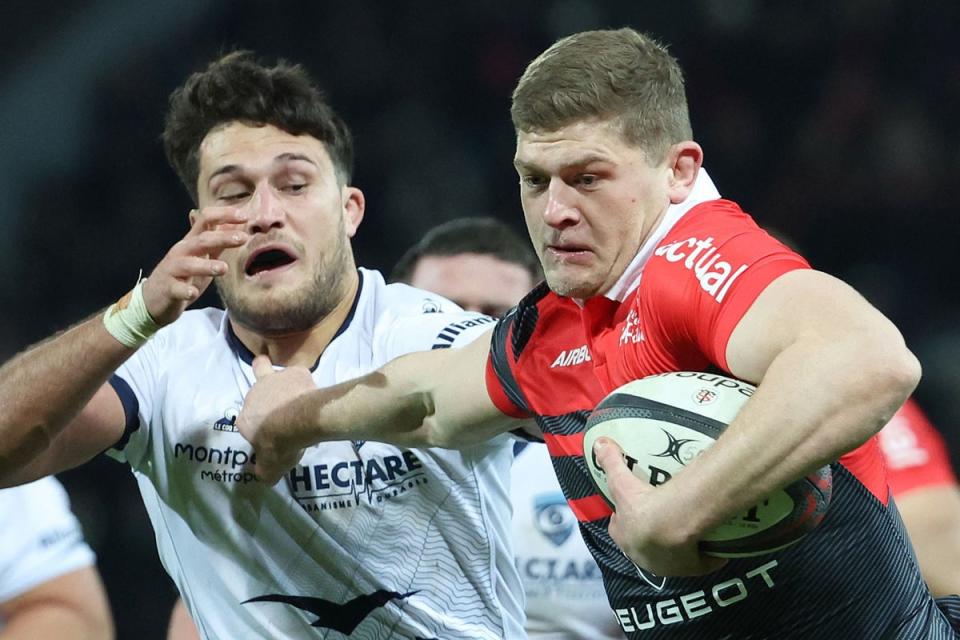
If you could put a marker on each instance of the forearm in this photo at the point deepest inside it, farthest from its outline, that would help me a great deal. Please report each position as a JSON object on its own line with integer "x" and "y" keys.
{"x": 932, "y": 518}
{"x": 818, "y": 400}
{"x": 434, "y": 398}
{"x": 55, "y": 620}
{"x": 44, "y": 388}
{"x": 73, "y": 605}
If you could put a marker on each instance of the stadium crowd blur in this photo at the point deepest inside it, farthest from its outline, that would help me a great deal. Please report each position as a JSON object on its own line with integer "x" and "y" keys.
{"x": 835, "y": 123}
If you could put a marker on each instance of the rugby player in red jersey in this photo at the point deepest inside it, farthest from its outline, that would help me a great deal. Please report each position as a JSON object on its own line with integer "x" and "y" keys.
{"x": 925, "y": 487}
{"x": 649, "y": 271}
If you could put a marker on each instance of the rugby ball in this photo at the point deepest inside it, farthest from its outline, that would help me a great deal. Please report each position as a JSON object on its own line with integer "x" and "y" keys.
{"x": 664, "y": 422}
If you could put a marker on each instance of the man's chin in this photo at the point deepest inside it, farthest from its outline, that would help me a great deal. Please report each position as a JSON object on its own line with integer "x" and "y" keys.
{"x": 571, "y": 288}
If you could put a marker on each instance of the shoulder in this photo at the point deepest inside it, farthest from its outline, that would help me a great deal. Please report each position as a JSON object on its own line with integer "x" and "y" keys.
{"x": 401, "y": 319}
{"x": 714, "y": 245}
{"x": 711, "y": 223}
{"x": 538, "y": 310}
{"x": 45, "y": 495}
{"x": 193, "y": 327}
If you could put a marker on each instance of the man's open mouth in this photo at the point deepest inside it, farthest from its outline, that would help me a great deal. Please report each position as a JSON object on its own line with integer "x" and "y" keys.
{"x": 267, "y": 260}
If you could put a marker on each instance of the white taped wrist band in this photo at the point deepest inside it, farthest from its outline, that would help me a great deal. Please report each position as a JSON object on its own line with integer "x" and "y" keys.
{"x": 128, "y": 320}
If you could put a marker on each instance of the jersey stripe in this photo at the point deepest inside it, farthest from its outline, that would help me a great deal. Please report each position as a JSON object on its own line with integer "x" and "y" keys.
{"x": 564, "y": 445}
{"x": 590, "y": 508}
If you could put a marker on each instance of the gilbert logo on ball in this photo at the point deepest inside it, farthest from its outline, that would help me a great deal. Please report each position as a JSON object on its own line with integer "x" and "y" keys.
{"x": 663, "y": 422}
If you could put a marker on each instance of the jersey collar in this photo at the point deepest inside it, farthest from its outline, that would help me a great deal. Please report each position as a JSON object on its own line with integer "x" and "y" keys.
{"x": 247, "y": 356}
{"x": 703, "y": 190}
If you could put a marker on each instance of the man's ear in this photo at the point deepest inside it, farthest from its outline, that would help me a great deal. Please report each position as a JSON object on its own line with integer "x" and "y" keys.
{"x": 684, "y": 160}
{"x": 354, "y": 204}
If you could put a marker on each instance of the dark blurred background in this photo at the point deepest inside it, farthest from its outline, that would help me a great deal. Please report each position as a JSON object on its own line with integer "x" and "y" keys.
{"x": 835, "y": 123}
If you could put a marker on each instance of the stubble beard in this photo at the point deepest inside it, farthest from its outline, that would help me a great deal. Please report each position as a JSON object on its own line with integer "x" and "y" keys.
{"x": 293, "y": 311}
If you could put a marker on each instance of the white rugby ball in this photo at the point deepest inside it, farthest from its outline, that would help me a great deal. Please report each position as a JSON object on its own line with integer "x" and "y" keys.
{"x": 665, "y": 421}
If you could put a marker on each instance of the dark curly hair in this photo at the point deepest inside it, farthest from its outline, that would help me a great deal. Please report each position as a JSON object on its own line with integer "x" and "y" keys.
{"x": 237, "y": 88}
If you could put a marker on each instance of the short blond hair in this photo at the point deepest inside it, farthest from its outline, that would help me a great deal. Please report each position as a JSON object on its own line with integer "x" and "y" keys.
{"x": 621, "y": 76}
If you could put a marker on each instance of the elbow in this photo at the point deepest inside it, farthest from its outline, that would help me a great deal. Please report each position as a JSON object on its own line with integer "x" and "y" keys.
{"x": 432, "y": 435}
{"x": 893, "y": 375}
{"x": 901, "y": 373}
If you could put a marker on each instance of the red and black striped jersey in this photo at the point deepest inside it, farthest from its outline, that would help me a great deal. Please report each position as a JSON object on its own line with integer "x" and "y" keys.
{"x": 554, "y": 358}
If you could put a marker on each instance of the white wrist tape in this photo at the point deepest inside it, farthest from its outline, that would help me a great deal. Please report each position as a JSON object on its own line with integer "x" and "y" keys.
{"x": 128, "y": 320}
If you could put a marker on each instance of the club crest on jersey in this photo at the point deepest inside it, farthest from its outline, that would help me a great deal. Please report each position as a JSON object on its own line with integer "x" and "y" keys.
{"x": 553, "y": 518}
{"x": 229, "y": 420}
{"x": 632, "y": 333}
{"x": 714, "y": 274}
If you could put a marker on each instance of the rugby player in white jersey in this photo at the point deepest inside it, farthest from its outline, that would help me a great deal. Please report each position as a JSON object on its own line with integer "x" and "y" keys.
{"x": 49, "y": 585}
{"x": 484, "y": 266}
{"x": 359, "y": 539}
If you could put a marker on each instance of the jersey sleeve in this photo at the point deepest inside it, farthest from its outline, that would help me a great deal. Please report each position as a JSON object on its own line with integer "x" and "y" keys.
{"x": 916, "y": 455}
{"x": 704, "y": 277}
{"x": 45, "y": 540}
{"x": 135, "y": 383}
{"x": 510, "y": 338}
{"x": 431, "y": 331}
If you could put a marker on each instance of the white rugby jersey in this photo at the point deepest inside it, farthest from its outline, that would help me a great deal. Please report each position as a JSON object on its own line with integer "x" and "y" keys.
{"x": 563, "y": 584}
{"x": 40, "y": 538}
{"x": 361, "y": 539}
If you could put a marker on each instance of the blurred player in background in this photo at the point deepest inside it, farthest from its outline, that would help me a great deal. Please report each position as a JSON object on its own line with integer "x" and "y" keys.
{"x": 479, "y": 263}
{"x": 361, "y": 537}
{"x": 49, "y": 586}
{"x": 925, "y": 488}
{"x": 648, "y": 271}
{"x": 482, "y": 265}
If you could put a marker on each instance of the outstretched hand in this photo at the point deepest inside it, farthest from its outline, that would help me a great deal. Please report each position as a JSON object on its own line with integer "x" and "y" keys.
{"x": 641, "y": 525}
{"x": 192, "y": 263}
{"x": 258, "y": 420}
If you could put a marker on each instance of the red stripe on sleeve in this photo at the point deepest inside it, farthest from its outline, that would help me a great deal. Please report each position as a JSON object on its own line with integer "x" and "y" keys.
{"x": 560, "y": 446}
{"x": 590, "y": 508}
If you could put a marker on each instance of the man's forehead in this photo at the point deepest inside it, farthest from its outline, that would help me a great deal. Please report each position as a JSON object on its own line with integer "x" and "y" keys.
{"x": 238, "y": 144}
{"x": 579, "y": 143}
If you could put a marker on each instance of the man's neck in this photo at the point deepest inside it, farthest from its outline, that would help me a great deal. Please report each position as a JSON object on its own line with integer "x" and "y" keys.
{"x": 302, "y": 348}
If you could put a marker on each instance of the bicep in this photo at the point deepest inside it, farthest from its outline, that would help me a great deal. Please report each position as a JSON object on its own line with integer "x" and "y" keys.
{"x": 96, "y": 428}
{"x": 802, "y": 304}
{"x": 462, "y": 404}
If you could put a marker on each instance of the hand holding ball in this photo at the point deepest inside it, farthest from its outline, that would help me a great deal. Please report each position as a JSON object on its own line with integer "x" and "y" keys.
{"x": 665, "y": 421}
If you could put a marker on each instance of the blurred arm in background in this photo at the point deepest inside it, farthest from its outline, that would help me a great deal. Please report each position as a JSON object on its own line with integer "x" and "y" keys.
{"x": 49, "y": 586}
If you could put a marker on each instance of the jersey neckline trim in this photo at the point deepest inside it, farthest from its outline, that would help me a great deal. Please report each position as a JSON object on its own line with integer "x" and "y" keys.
{"x": 703, "y": 191}
{"x": 247, "y": 356}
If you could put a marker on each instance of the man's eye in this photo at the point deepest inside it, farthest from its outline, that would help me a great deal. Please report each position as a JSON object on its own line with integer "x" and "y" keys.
{"x": 232, "y": 197}
{"x": 588, "y": 179}
{"x": 533, "y": 182}
{"x": 295, "y": 188}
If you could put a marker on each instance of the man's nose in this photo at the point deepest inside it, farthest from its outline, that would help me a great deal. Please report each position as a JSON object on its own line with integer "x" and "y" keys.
{"x": 265, "y": 210}
{"x": 561, "y": 210}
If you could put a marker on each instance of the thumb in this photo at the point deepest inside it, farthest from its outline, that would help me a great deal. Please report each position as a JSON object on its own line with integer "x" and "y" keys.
{"x": 262, "y": 367}
{"x": 608, "y": 455}
{"x": 620, "y": 479}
